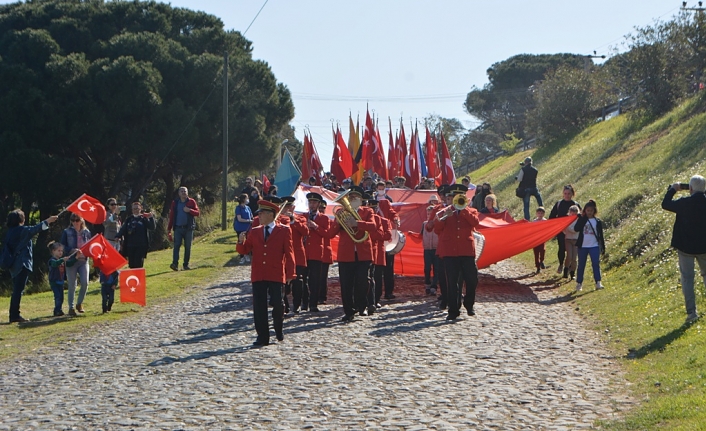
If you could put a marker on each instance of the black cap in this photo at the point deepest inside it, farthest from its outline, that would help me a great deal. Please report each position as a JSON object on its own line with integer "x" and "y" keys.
{"x": 456, "y": 189}
{"x": 273, "y": 199}
{"x": 288, "y": 199}
{"x": 366, "y": 196}
{"x": 357, "y": 189}
{"x": 372, "y": 202}
{"x": 441, "y": 191}
{"x": 314, "y": 197}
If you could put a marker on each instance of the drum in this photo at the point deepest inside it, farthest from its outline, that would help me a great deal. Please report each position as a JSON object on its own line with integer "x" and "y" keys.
{"x": 396, "y": 243}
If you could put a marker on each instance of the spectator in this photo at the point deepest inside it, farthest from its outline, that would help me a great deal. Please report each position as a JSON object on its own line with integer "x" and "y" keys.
{"x": 312, "y": 181}
{"x": 570, "y": 238}
{"x": 255, "y": 195}
{"x": 528, "y": 185}
{"x": 478, "y": 201}
{"x": 243, "y": 221}
{"x": 561, "y": 209}
{"x": 590, "y": 242}
{"x": 135, "y": 236}
{"x": 491, "y": 205}
{"x": 689, "y": 236}
{"x": 73, "y": 238}
{"x": 539, "y": 250}
{"x": 367, "y": 183}
{"x": 381, "y": 192}
{"x": 272, "y": 191}
{"x": 466, "y": 181}
{"x": 18, "y": 242}
{"x": 182, "y": 219}
{"x": 400, "y": 183}
{"x": 109, "y": 282}
{"x": 57, "y": 273}
{"x": 430, "y": 241}
{"x": 112, "y": 223}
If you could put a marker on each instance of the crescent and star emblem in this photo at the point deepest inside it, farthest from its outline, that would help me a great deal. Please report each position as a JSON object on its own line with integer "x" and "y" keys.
{"x": 133, "y": 288}
{"x": 81, "y": 202}
{"x": 100, "y": 254}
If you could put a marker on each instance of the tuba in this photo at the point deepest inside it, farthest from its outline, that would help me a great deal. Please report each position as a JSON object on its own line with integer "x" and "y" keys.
{"x": 345, "y": 213}
{"x": 460, "y": 202}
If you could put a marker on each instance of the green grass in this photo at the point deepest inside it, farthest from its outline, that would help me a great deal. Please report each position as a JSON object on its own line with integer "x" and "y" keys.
{"x": 209, "y": 253}
{"x": 626, "y": 164}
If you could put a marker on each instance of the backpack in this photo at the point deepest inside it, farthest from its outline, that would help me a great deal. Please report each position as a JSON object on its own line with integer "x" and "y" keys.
{"x": 7, "y": 259}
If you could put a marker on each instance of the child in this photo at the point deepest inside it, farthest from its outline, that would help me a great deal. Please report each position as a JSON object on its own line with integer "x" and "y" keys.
{"x": 590, "y": 242}
{"x": 57, "y": 270}
{"x": 539, "y": 250}
{"x": 570, "y": 237}
{"x": 108, "y": 284}
{"x": 430, "y": 240}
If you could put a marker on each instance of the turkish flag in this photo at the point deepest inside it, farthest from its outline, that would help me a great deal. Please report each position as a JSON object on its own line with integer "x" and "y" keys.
{"x": 341, "y": 161}
{"x": 447, "y": 169}
{"x": 306, "y": 171}
{"x": 379, "y": 165}
{"x": 311, "y": 164}
{"x": 413, "y": 162}
{"x": 105, "y": 256}
{"x": 132, "y": 286}
{"x": 266, "y": 184}
{"x": 392, "y": 169}
{"x": 402, "y": 154}
{"x": 432, "y": 157}
{"x": 89, "y": 208}
{"x": 369, "y": 145}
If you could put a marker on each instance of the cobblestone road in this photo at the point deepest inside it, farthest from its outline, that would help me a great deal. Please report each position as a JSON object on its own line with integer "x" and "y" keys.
{"x": 524, "y": 362}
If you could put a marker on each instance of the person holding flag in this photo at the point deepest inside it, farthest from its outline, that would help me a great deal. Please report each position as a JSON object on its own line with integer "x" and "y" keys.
{"x": 73, "y": 238}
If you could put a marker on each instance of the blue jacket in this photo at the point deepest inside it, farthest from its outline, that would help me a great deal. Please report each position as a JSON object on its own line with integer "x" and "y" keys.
{"x": 69, "y": 239}
{"x": 16, "y": 237}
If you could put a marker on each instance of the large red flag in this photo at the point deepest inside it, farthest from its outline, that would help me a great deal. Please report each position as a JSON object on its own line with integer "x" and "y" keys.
{"x": 89, "y": 208}
{"x": 369, "y": 146}
{"x": 341, "y": 160}
{"x": 306, "y": 156}
{"x": 133, "y": 287}
{"x": 402, "y": 154}
{"x": 432, "y": 158}
{"x": 447, "y": 169}
{"x": 392, "y": 168}
{"x": 379, "y": 164}
{"x": 311, "y": 164}
{"x": 413, "y": 162}
{"x": 105, "y": 256}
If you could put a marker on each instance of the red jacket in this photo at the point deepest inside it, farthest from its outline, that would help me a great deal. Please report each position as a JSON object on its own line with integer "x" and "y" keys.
{"x": 299, "y": 231}
{"x": 456, "y": 233}
{"x": 193, "y": 212}
{"x": 385, "y": 207}
{"x": 346, "y": 247}
{"x": 316, "y": 241}
{"x": 430, "y": 225}
{"x": 272, "y": 260}
{"x": 379, "y": 238}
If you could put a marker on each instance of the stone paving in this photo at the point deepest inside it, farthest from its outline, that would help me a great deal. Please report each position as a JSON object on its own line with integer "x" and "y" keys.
{"x": 524, "y": 362}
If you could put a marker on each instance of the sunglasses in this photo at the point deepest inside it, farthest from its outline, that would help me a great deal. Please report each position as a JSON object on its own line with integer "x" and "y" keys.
{"x": 74, "y": 220}
{"x": 112, "y": 205}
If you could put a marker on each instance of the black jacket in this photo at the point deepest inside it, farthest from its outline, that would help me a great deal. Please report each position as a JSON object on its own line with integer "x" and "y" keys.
{"x": 578, "y": 227}
{"x": 689, "y": 232}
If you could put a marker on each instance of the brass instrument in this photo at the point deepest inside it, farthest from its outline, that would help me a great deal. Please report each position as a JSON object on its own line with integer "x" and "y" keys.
{"x": 345, "y": 213}
{"x": 460, "y": 202}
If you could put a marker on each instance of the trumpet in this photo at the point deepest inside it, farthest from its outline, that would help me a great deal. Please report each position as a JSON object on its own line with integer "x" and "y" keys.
{"x": 460, "y": 202}
{"x": 345, "y": 213}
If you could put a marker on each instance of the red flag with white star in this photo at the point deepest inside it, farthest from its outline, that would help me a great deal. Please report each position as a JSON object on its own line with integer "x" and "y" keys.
{"x": 105, "y": 256}
{"x": 89, "y": 208}
{"x": 132, "y": 286}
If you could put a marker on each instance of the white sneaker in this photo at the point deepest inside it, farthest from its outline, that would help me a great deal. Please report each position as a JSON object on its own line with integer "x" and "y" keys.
{"x": 579, "y": 287}
{"x": 599, "y": 285}
{"x": 692, "y": 318}
{"x": 560, "y": 269}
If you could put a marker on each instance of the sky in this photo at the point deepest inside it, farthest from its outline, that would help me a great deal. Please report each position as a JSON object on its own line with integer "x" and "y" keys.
{"x": 409, "y": 59}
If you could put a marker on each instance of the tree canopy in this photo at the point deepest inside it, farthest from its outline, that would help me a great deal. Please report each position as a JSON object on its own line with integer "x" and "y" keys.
{"x": 125, "y": 97}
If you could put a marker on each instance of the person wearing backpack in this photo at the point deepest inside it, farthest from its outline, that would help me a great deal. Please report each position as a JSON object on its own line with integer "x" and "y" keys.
{"x": 18, "y": 244}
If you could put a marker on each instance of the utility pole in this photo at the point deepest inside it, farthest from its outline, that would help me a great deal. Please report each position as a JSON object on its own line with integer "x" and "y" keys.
{"x": 587, "y": 61}
{"x": 224, "y": 185}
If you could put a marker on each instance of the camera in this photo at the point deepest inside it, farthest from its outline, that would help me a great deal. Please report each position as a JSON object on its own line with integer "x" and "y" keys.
{"x": 683, "y": 186}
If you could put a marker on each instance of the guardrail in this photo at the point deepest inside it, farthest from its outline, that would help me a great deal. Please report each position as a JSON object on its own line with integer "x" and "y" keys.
{"x": 477, "y": 163}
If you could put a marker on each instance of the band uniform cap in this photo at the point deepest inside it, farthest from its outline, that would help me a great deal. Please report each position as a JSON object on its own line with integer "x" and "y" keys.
{"x": 456, "y": 189}
{"x": 357, "y": 189}
{"x": 273, "y": 199}
{"x": 288, "y": 199}
{"x": 264, "y": 205}
{"x": 366, "y": 196}
{"x": 314, "y": 197}
{"x": 442, "y": 189}
{"x": 372, "y": 202}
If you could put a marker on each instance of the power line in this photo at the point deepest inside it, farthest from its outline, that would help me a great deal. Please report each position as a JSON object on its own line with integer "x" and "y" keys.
{"x": 253, "y": 20}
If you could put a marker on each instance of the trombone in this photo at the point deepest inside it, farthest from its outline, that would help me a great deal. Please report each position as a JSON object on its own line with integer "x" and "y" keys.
{"x": 460, "y": 202}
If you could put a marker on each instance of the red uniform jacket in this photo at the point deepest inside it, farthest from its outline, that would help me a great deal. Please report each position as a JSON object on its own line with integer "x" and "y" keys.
{"x": 379, "y": 238}
{"x": 390, "y": 214}
{"x": 299, "y": 231}
{"x": 456, "y": 233}
{"x": 316, "y": 241}
{"x": 272, "y": 260}
{"x": 328, "y": 250}
{"x": 431, "y": 222}
{"x": 346, "y": 247}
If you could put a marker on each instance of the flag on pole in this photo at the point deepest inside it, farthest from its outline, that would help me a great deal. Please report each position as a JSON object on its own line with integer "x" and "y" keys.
{"x": 392, "y": 168}
{"x": 421, "y": 160}
{"x": 368, "y": 149}
{"x": 288, "y": 175}
{"x": 266, "y": 184}
{"x": 402, "y": 154}
{"x": 379, "y": 165}
{"x": 311, "y": 164}
{"x": 412, "y": 163}
{"x": 133, "y": 286}
{"x": 448, "y": 175}
{"x": 432, "y": 156}
{"x": 354, "y": 147}
{"x": 105, "y": 257}
{"x": 89, "y": 208}
{"x": 341, "y": 160}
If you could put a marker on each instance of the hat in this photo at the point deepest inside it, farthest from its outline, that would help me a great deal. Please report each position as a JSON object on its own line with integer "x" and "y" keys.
{"x": 323, "y": 204}
{"x": 273, "y": 199}
{"x": 441, "y": 191}
{"x": 347, "y": 181}
{"x": 433, "y": 198}
{"x": 314, "y": 197}
{"x": 357, "y": 189}
{"x": 264, "y": 205}
{"x": 456, "y": 189}
{"x": 366, "y": 196}
{"x": 372, "y": 202}
{"x": 288, "y": 199}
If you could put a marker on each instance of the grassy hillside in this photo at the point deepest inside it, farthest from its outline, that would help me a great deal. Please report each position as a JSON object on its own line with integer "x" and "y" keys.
{"x": 626, "y": 165}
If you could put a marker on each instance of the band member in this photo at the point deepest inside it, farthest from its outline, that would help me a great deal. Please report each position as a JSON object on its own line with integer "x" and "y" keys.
{"x": 300, "y": 229}
{"x": 445, "y": 201}
{"x": 354, "y": 257}
{"x": 385, "y": 210}
{"x": 379, "y": 257}
{"x": 327, "y": 259}
{"x": 272, "y": 266}
{"x": 318, "y": 225}
{"x": 455, "y": 229}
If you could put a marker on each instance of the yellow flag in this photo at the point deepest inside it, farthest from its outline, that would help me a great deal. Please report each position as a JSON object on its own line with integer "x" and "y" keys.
{"x": 353, "y": 145}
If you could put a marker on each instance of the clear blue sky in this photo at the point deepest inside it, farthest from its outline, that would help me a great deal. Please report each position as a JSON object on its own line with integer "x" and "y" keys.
{"x": 413, "y": 58}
